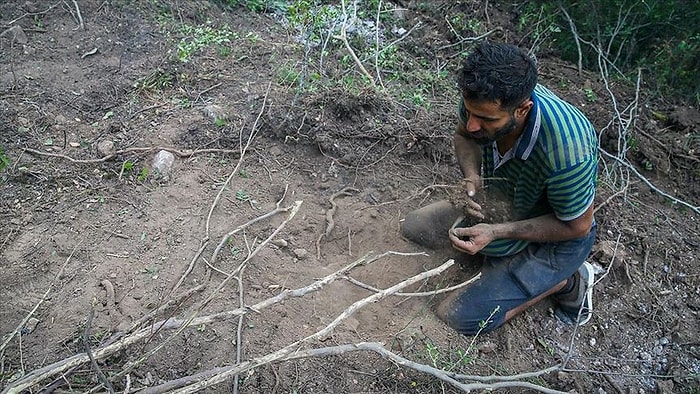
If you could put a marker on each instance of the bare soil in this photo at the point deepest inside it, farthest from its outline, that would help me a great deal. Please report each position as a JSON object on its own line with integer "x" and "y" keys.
{"x": 95, "y": 245}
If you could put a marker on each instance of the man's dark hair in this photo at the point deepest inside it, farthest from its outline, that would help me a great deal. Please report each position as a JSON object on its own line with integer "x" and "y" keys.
{"x": 495, "y": 71}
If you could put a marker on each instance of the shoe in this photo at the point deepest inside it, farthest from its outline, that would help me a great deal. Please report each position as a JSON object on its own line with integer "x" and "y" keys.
{"x": 578, "y": 310}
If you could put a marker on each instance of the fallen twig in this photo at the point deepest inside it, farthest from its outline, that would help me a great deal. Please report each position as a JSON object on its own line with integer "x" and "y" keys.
{"x": 80, "y": 16}
{"x": 43, "y": 298}
{"x": 330, "y": 223}
{"x": 86, "y": 343}
{"x": 178, "y": 152}
{"x": 205, "y": 379}
{"x": 421, "y": 294}
{"x": 629, "y": 166}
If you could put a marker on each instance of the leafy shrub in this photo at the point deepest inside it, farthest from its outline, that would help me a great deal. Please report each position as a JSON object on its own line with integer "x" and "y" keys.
{"x": 662, "y": 37}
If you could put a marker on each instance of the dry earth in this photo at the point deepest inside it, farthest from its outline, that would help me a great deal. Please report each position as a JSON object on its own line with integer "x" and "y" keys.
{"x": 96, "y": 247}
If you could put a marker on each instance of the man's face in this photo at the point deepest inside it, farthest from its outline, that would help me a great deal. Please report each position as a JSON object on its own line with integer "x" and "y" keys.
{"x": 487, "y": 122}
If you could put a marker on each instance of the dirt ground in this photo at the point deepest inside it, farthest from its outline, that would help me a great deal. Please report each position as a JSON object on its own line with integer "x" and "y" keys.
{"x": 277, "y": 184}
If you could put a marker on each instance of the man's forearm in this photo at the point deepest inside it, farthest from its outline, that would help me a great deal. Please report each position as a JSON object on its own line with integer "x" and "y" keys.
{"x": 468, "y": 155}
{"x": 546, "y": 228}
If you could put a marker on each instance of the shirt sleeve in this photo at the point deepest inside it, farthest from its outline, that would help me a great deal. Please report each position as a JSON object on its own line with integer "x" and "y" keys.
{"x": 571, "y": 191}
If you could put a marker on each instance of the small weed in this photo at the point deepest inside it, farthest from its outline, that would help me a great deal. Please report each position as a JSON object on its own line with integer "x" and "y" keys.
{"x": 549, "y": 348}
{"x": 155, "y": 81}
{"x": 199, "y": 37}
{"x": 4, "y": 161}
{"x": 288, "y": 76}
{"x": 243, "y": 173}
{"x": 150, "y": 270}
{"x": 252, "y": 37}
{"x": 143, "y": 175}
{"x": 242, "y": 195}
{"x": 183, "y": 102}
{"x": 590, "y": 95}
{"x": 220, "y": 122}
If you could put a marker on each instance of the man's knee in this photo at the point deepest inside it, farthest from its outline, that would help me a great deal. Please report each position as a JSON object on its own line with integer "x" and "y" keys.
{"x": 428, "y": 226}
{"x": 466, "y": 320}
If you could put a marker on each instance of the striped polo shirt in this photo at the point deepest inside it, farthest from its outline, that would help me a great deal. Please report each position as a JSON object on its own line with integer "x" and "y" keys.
{"x": 552, "y": 168}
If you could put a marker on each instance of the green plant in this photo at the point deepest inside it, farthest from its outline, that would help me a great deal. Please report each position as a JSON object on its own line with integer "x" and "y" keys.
{"x": 143, "y": 175}
{"x": 156, "y": 80}
{"x": 196, "y": 38}
{"x": 547, "y": 347}
{"x": 242, "y": 195}
{"x": 590, "y": 95}
{"x": 660, "y": 37}
{"x": 4, "y": 161}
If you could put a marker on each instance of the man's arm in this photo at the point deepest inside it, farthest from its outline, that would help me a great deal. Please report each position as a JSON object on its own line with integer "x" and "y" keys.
{"x": 546, "y": 228}
{"x": 468, "y": 154}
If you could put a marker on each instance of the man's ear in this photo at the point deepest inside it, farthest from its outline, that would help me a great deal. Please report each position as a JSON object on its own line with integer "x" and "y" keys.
{"x": 523, "y": 109}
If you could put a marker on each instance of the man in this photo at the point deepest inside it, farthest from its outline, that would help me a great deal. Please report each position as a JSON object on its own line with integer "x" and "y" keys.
{"x": 517, "y": 137}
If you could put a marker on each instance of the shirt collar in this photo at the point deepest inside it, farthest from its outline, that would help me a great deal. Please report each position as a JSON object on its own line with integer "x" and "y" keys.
{"x": 526, "y": 142}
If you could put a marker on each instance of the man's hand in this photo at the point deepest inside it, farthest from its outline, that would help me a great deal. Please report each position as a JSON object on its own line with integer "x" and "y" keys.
{"x": 472, "y": 185}
{"x": 471, "y": 240}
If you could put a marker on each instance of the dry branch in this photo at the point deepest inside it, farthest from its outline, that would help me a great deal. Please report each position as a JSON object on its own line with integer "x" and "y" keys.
{"x": 178, "y": 152}
{"x": 43, "y": 298}
{"x": 344, "y": 38}
{"x": 38, "y": 375}
{"x": 209, "y": 378}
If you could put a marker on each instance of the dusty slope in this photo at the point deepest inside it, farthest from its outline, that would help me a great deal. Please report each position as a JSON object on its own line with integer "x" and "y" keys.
{"x": 107, "y": 242}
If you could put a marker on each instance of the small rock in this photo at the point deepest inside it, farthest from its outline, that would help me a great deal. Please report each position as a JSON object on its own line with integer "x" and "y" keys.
{"x": 664, "y": 386}
{"x": 487, "y": 347}
{"x": 17, "y": 34}
{"x": 564, "y": 377}
{"x": 163, "y": 163}
{"x": 351, "y": 323}
{"x": 275, "y": 151}
{"x": 105, "y": 148}
{"x": 215, "y": 112}
{"x": 300, "y": 253}
{"x": 74, "y": 144}
{"x": 280, "y": 243}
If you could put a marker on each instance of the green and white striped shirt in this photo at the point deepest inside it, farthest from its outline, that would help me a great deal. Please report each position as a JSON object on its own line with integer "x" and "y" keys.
{"x": 552, "y": 168}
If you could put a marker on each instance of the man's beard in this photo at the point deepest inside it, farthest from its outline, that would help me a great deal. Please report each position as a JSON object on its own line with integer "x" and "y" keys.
{"x": 482, "y": 138}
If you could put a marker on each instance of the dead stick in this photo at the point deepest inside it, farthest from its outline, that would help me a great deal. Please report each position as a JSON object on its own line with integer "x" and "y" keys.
{"x": 207, "y": 378}
{"x": 80, "y": 16}
{"x": 181, "y": 153}
{"x": 36, "y": 376}
{"x": 86, "y": 343}
{"x": 421, "y": 294}
{"x": 43, "y": 298}
{"x": 330, "y": 223}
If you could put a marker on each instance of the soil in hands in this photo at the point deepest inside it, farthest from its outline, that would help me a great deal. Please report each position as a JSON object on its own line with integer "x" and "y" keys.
{"x": 495, "y": 205}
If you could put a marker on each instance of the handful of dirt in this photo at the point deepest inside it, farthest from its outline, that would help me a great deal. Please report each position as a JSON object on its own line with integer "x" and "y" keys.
{"x": 495, "y": 205}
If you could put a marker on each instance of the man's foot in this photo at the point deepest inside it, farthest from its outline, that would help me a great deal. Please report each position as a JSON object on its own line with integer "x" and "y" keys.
{"x": 576, "y": 306}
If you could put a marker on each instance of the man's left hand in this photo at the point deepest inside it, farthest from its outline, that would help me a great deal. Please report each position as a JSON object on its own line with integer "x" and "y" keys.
{"x": 471, "y": 240}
